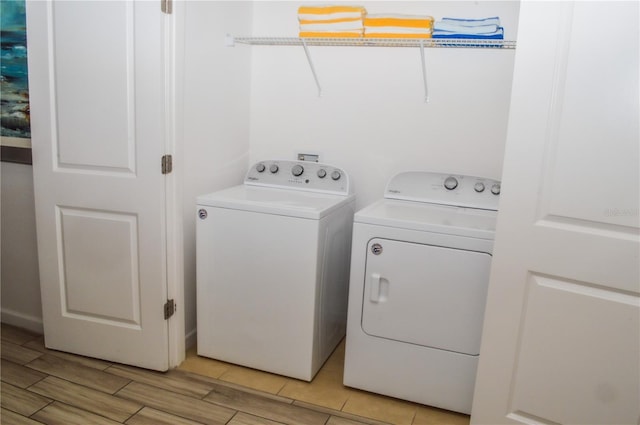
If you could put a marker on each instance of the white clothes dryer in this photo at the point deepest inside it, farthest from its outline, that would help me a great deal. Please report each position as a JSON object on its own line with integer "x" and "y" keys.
{"x": 419, "y": 276}
{"x": 273, "y": 260}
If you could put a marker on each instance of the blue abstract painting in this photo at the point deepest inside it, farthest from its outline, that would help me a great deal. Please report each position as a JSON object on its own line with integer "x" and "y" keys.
{"x": 14, "y": 85}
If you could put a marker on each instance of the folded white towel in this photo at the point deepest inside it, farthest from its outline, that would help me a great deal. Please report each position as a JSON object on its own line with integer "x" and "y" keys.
{"x": 330, "y": 12}
{"x": 397, "y": 16}
{"x": 461, "y": 29}
{"x": 495, "y": 20}
{"x": 398, "y": 30}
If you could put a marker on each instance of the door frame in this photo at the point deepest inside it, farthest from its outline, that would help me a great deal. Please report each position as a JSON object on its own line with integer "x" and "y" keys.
{"x": 174, "y": 72}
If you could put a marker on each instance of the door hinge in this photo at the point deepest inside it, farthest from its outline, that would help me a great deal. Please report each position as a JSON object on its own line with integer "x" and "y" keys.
{"x": 169, "y": 309}
{"x": 167, "y": 164}
{"x": 166, "y": 6}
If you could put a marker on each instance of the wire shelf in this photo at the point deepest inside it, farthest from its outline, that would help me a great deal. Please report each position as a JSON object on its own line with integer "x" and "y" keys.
{"x": 372, "y": 42}
{"x": 377, "y": 42}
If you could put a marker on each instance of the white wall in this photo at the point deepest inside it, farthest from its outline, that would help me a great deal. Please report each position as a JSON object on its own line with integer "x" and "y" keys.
{"x": 213, "y": 126}
{"x": 371, "y": 118}
{"x": 19, "y": 278}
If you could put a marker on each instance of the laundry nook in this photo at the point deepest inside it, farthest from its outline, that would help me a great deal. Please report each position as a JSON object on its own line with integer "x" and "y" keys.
{"x": 328, "y": 213}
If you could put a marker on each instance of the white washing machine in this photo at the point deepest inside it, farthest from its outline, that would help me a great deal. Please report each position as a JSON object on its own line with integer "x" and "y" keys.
{"x": 273, "y": 260}
{"x": 419, "y": 276}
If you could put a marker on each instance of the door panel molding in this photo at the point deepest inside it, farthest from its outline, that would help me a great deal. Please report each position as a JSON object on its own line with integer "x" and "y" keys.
{"x": 98, "y": 256}
{"x": 567, "y": 329}
{"x": 93, "y": 84}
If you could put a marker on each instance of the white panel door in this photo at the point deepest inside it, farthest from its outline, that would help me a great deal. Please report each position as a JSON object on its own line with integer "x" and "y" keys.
{"x": 561, "y": 340}
{"x": 97, "y": 89}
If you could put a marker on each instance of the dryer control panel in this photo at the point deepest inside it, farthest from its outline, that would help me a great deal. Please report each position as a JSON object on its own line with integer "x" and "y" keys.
{"x": 299, "y": 175}
{"x": 446, "y": 189}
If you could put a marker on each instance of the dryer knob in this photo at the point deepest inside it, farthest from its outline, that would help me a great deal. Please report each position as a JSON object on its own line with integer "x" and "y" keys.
{"x": 297, "y": 170}
{"x": 495, "y": 189}
{"x": 336, "y": 175}
{"x": 274, "y": 168}
{"x": 322, "y": 173}
{"x": 260, "y": 168}
{"x": 450, "y": 183}
{"x": 479, "y": 187}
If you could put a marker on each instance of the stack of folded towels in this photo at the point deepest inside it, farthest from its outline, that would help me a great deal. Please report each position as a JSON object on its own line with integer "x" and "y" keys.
{"x": 486, "y": 28}
{"x": 331, "y": 21}
{"x": 397, "y": 26}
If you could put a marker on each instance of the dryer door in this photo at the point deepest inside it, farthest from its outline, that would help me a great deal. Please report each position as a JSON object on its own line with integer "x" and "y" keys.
{"x": 423, "y": 294}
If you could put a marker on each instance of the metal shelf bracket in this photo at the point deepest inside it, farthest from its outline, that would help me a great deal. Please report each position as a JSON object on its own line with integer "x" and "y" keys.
{"x": 313, "y": 69}
{"x": 424, "y": 73}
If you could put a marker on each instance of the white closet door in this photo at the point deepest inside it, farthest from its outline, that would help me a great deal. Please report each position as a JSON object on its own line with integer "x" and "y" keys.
{"x": 561, "y": 341}
{"x": 98, "y": 111}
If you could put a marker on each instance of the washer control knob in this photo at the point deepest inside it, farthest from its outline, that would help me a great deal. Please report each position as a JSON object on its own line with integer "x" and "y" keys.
{"x": 479, "y": 187}
{"x": 297, "y": 170}
{"x": 336, "y": 175}
{"x": 260, "y": 167}
{"x": 450, "y": 183}
{"x": 274, "y": 168}
{"x": 495, "y": 189}
{"x": 322, "y": 173}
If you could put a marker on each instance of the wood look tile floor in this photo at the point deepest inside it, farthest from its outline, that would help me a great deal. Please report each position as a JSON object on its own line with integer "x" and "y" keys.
{"x": 51, "y": 387}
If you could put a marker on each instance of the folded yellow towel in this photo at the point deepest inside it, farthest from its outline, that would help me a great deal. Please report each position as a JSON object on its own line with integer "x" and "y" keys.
{"x": 398, "y": 26}
{"x": 398, "y": 20}
{"x": 324, "y": 13}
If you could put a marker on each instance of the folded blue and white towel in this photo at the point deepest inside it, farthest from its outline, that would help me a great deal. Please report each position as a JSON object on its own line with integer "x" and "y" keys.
{"x": 485, "y": 28}
{"x": 497, "y": 35}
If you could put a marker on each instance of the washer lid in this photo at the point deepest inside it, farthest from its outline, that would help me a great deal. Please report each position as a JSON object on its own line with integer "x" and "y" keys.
{"x": 267, "y": 200}
{"x": 450, "y": 220}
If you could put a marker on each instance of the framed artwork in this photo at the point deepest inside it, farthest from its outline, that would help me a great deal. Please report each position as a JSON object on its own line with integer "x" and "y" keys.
{"x": 15, "y": 130}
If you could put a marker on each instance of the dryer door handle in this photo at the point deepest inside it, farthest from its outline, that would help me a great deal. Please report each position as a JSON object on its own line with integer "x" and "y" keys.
{"x": 377, "y": 293}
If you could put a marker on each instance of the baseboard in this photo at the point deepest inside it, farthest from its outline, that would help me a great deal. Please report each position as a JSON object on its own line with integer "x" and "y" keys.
{"x": 190, "y": 339}
{"x": 24, "y": 321}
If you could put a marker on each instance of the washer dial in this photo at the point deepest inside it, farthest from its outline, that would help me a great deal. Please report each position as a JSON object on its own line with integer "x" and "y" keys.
{"x": 297, "y": 170}
{"x": 322, "y": 173}
{"x": 450, "y": 183}
{"x": 336, "y": 175}
{"x": 495, "y": 189}
{"x": 260, "y": 168}
{"x": 479, "y": 187}
{"x": 274, "y": 168}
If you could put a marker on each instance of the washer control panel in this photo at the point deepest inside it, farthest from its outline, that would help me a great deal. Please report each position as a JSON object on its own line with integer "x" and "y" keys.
{"x": 446, "y": 189}
{"x": 300, "y": 175}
